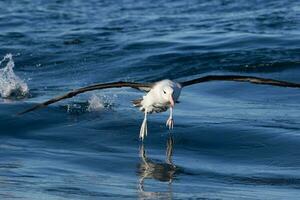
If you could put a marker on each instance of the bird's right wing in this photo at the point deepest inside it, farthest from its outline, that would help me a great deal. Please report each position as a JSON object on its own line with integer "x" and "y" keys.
{"x": 140, "y": 86}
{"x": 237, "y": 78}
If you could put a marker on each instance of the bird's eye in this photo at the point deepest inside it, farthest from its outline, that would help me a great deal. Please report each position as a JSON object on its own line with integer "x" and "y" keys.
{"x": 164, "y": 92}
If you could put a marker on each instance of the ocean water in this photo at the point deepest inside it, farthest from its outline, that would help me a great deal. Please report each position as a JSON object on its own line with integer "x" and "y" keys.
{"x": 230, "y": 140}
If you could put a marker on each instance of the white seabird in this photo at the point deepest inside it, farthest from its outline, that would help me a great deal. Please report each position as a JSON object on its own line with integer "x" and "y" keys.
{"x": 162, "y": 95}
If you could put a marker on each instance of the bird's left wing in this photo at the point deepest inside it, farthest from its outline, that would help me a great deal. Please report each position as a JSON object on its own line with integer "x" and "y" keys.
{"x": 250, "y": 79}
{"x": 139, "y": 86}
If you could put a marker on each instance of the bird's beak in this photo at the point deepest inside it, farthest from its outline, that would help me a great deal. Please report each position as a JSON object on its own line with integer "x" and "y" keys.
{"x": 172, "y": 101}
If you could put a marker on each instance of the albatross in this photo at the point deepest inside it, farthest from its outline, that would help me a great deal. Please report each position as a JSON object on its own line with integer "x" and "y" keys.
{"x": 162, "y": 95}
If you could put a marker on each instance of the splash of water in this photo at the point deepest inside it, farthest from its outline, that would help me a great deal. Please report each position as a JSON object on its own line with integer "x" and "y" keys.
{"x": 10, "y": 84}
{"x": 95, "y": 104}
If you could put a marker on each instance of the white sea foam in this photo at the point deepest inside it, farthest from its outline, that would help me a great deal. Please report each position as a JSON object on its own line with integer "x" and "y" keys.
{"x": 10, "y": 84}
{"x": 95, "y": 104}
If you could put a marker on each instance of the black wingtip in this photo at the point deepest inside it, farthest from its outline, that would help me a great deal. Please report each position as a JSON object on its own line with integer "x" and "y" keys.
{"x": 23, "y": 112}
{"x": 30, "y": 109}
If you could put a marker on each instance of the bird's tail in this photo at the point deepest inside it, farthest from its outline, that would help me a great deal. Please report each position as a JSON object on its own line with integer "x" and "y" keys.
{"x": 137, "y": 102}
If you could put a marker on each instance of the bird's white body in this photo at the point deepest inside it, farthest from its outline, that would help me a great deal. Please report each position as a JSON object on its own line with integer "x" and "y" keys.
{"x": 162, "y": 96}
{"x": 154, "y": 100}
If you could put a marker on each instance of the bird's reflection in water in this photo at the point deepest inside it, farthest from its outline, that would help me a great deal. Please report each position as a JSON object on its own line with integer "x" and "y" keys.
{"x": 157, "y": 170}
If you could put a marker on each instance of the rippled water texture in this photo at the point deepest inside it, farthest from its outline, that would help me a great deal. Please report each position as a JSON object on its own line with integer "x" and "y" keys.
{"x": 231, "y": 140}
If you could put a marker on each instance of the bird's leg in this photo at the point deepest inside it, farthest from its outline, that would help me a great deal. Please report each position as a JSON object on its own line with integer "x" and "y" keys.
{"x": 170, "y": 121}
{"x": 143, "y": 131}
{"x": 169, "y": 150}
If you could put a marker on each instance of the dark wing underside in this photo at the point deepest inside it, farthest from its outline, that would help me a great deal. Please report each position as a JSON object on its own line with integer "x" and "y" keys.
{"x": 139, "y": 86}
{"x": 250, "y": 79}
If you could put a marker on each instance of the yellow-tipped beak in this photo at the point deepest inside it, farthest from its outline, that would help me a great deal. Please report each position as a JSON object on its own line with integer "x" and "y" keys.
{"x": 172, "y": 101}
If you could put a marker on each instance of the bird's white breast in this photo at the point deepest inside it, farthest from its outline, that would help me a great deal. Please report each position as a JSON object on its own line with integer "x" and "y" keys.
{"x": 153, "y": 101}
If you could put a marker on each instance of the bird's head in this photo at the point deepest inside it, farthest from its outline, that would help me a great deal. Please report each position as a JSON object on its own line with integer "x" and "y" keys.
{"x": 168, "y": 95}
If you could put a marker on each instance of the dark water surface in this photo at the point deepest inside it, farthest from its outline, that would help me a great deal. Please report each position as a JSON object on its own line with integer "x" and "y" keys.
{"x": 231, "y": 140}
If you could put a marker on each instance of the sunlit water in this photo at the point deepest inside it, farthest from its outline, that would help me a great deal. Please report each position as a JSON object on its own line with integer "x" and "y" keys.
{"x": 230, "y": 140}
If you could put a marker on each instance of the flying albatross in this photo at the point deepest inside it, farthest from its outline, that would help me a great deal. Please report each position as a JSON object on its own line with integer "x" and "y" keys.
{"x": 162, "y": 95}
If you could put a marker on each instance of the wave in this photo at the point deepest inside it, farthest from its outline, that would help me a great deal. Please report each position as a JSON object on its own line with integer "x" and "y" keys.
{"x": 10, "y": 84}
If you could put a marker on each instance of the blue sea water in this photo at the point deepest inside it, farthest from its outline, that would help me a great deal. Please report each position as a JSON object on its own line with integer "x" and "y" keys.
{"x": 230, "y": 140}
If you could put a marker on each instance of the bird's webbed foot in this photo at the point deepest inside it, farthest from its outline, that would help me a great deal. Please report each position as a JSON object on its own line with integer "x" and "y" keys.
{"x": 170, "y": 123}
